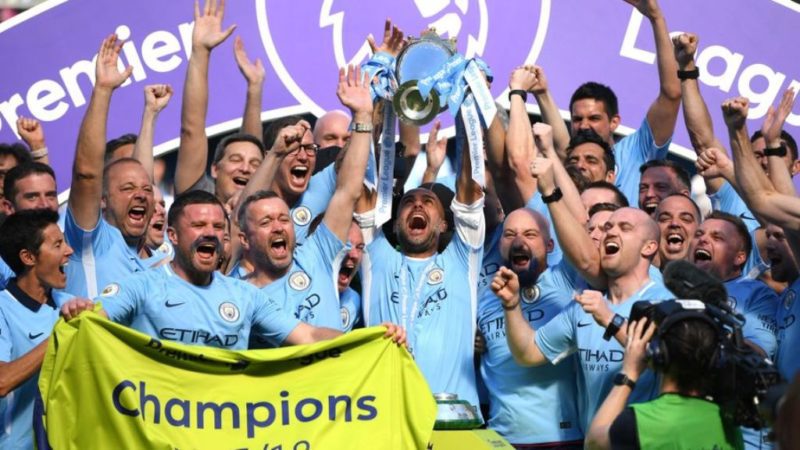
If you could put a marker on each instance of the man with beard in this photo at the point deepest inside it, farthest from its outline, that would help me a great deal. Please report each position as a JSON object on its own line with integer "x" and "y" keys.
{"x": 35, "y": 249}
{"x": 528, "y": 405}
{"x": 109, "y": 207}
{"x": 587, "y": 326}
{"x": 304, "y": 275}
{"x": 678, "y": 217}
{"x": 659, "y": 179}
{"x": 188, "y": 302}
{"x": 591, "y": 156}
{"x": 236, "y": 157}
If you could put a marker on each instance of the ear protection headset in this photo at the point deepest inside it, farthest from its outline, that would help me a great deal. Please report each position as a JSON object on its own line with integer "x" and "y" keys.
{"x": 657, "y": 351}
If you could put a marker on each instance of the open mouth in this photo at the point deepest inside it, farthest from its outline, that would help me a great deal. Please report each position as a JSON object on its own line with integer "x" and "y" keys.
{"x": 63, "y": 267}
{"x": 299, "y": 173}
{"x": 345, "y": 272}
{"x": 279, "y": 247}
{"x": 158, "y": 225}
{"x": 611, "y": 248}
{"x": 207, "y": 250}
{"x": 137, "y": 213}
{"x": 240, "y": 181}
{"x": 675, "y": 241}
{"x": 417, "y": 223}
{"x": 650, "y": 207}
{"x": 702, "y": 255}
{"x": 520, "y": 258}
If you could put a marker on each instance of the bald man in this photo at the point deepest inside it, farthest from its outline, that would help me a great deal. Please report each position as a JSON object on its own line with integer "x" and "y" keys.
{"x": 586, "y": 327}
{"x": 331, "y": 133}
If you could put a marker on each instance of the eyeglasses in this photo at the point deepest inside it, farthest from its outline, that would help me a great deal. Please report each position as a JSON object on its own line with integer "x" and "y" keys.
{"x": 310, "y": 149}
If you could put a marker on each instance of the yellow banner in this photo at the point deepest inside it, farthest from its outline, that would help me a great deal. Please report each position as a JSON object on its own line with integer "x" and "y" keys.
{"x": 107, "y": 386}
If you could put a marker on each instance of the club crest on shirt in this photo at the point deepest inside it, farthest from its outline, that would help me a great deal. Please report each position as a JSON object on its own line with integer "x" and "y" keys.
{"x": 530, "y": 294}
{"x": 435, "y": 276}
{"x": 111, "y": 289}
{"x": 345, "y": 317}
{"x": 301, "y": 215}
{"x": 789, "y": 300}
{"x": 166, "y": 249}
{"x": 299, "y": 281}
{"x": 229, "y": 312}
{"x": 732, "y": 302}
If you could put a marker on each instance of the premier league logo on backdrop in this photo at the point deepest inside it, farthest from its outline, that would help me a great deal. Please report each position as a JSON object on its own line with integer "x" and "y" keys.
{"x": 308, "y": 42}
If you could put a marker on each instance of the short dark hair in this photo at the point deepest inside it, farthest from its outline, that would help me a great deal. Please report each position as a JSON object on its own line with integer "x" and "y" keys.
{"x": 114, "y": 144}
{"x": 24, "y": 230}
{"x": 691, "y": 344}
{"x": 219, "y": 152}
{"x": 116, "y": 162}
{"x": 21, "y": 171}
{"x": 694, "y": 204}
{"x": 741, "y": 230}
{"x": 620, "y": 199}
{"x": 17, "y": 150}
{"x": 785, "y": 137}
{"x": 241, "y": 215}
{"x": 196, "y": 197}
{"x": 589, "y": 136}
{"x": 275, "y": 128}
{"x": 680, "y": 172}
{"x": 597, "y": 207}
{"x": 596, "y": 91}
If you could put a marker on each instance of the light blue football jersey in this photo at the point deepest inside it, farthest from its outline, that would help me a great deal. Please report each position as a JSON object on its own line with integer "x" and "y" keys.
{"x": 788, "y": 359}
{"x": 576, "y": 332}
{"x": 313, "y": 202}
{"x": 160, "y": 303}
{"x": 529, "y": 405}
{"x": 630, "y": 153}
{"x": 759, "y": 305}
{"x": 24, "y": 324}
{"x": 101, "y": 256}
{"x": 350, "y": 301}
{"x": 727, "y": 200}
{"x": 434, "y": 299}
{"x": 5, "y": 274}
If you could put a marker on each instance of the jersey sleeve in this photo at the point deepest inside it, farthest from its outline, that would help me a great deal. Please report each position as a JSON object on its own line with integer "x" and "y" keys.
{"x": 760, "y": 326}
{"x": 470, "y": 224}
{"x": 556, "y": 340}
{"x": 123, "y": 301}
{"x": 326, "y": 247}
{"x": 86, "y": 243}
{"x": 6, "y": 344}
{"x": 270, "y": 322}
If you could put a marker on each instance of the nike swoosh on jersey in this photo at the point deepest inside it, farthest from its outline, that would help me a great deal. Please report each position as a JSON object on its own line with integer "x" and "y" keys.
{"x": 581, "y": 325}
{"x": 172, "y": 305}
{"x": 34, "y": 336}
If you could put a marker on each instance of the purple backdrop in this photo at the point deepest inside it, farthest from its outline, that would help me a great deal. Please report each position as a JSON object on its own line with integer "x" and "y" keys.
{"x": 47, "y": 54}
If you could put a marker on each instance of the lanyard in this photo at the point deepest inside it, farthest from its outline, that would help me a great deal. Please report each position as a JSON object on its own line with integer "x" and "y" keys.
{"x": 409, "y": 318}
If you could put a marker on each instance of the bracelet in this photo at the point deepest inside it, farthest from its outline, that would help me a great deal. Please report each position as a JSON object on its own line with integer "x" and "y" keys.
{"x": 510, "y": 308}
{"x": 521, "y": 92}
{"x": 38, "y": 154}
{"x": 777, "y": 151}
{"x": 553, "y": 197}
{"x": 359, "y": 127}
{"x": 689, "y": 74}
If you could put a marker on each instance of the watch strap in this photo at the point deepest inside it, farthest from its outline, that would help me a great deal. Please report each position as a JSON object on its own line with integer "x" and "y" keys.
{"x": 776, "y": 151}
{"x": 521, "y": 92}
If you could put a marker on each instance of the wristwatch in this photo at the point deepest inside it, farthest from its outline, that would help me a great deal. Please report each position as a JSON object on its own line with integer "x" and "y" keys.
{"x": 611, "y": 330}
{"x": 362, "y": 127}
{"x": 554, "y": 196}
{"x": 621, "y": 379}
{"x": 777, "y": 151}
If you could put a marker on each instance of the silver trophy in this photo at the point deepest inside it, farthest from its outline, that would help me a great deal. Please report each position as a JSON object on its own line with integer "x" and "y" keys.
{"x": 421, "y": 58}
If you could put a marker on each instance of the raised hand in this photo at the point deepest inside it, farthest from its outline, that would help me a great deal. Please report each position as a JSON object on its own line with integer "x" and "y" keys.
{"x": 107, "y": 73}
{"x": 435, "y": 150}
{"x": 773, "y": 122}
{"x": 208, "y": 32}
{"x": 648, "y": 8}
{"x": 735, "y": 111}
{"x": 543, "y": 137}
{"x": 290, "y": 138}
{"x": 393, "y": 42}
{"x": 593, "y": 303}
{"x": 253, "y": 72}
{"x": 353, "y": 90}
{"x": 540, "y": 85}
{"x": 713, "y": 163}
{"x": 156, "y": 97}
{"x": 685, "y": 46}
{"x": 523, "y": 77}
{"x": 542, "y": 171}
{"x": 505, "y": 286}
{"x": 30, "y": 130}
{"x": 635, "y": 361}
{"x": 74, "y": 307}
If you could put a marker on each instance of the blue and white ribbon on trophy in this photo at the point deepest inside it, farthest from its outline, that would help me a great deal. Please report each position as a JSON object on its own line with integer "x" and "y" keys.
{"x": 381, "y": 71}
{"x": 451, "y": 82}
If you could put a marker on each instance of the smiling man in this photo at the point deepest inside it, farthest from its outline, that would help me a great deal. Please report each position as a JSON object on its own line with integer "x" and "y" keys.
{"x": 34, "y": 247}
{"x": 678, "y": 218}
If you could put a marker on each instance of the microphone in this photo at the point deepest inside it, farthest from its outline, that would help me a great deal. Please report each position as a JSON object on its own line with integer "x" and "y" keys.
{"x": 686, "y": 281}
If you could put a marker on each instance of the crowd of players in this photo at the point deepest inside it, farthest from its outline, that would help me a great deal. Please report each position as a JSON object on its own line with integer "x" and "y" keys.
{"x": 514, "y": 295}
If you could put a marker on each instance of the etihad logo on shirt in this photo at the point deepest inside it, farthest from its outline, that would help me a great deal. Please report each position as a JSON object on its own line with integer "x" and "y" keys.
{"x": 199, "y": 337}
{"x": 305, "y": 311}
{"x": 433, "y": 303}
{"x": 596, "y": 360}
{"x": 110, "y": 290}
{"x": 496, "y": 328}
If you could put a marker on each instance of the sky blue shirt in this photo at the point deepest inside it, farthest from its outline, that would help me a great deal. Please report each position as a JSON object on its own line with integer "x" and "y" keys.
{"x": 351, "y": 309}
{"x": 24, "y": 324}
{"x": 575, "y": 331}
{"x": 630, "y": 153}
{"x": 788, "y": 359}
{"x": 101, "y": 256}
{"x": 313, "y": 202}
{"x": 529, "y": 405}
{"x": 727, "y": 200}
{"x": 160, "y": 303}
{"x": 435, "y": 299}
{"x": 758, "y": 304}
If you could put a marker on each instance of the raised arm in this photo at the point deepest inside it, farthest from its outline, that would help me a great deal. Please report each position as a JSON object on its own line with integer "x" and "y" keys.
{"x": 663, "y": 113}
{"x": 771, "y": 130}
{"x": 353, "y": 92}
{"x": 31, "y": 131}
{"x": 519, "y": 334}
{"x": 87, "y": 170}
{"x": 193, "y": 148}
{"x": 156, "y": 98}
{"x": 435, "y": 153}
{"x": 519, "y": 141}
{"x": 544, "y": 139}
{"x": 253, "y": 73}
{"x": 550, "y": 113}
{"x": 467, "y": 190}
